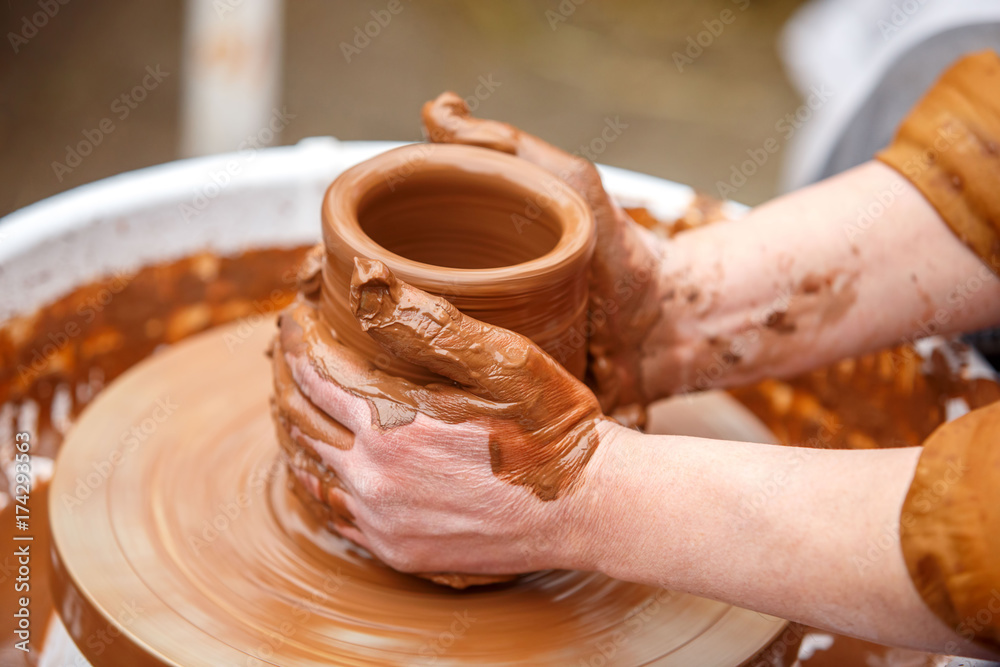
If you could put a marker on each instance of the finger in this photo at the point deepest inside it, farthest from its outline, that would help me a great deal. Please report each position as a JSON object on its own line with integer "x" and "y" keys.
{"x": 447, "y": 121}
{"x": 356, "y": 536}
{"x": 328, "y": 499}
{"x": 488, "y": 361}
{"x": 297, "y": 349}
{"x": 347, "y": 388}
{"x": 295, "y": 408}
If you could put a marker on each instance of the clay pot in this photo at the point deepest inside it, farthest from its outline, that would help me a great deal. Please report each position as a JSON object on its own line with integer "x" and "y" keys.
{"x": 502, "y": 239}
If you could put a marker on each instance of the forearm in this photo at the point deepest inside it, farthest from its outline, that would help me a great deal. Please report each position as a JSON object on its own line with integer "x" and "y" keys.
{"x": 804, "y": 534}
{"x": 855, "y": 263}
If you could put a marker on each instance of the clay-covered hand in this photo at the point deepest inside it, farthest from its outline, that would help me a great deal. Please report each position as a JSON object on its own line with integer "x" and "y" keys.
{"x": 480, "y": 474}
{"x": 624, "y": 299}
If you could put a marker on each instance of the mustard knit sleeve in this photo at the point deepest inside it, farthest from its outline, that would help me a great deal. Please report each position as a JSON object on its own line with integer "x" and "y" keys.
{"x": 950, "y": 525}
{"x": 949, "y": 148}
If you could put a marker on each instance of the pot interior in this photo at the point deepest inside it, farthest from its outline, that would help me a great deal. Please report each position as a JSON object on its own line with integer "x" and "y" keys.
{"x": 459, "y": 220}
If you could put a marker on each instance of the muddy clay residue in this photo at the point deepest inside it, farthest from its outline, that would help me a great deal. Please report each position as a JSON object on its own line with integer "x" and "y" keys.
{"x": 200, "y": 530}
{"x": 894, "y": 397}
{"x": 66, "y": 352}
{"x": 522, "y": 389}
{"x": 55, "y": 361}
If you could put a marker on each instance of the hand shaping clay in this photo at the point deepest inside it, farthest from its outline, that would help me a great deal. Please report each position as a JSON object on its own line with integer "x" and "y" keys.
{"x": 499, "y": 239}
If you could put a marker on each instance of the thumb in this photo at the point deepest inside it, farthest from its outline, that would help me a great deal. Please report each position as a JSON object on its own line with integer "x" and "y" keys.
{"x": 488, "y": 361}
{"x": 447, "y": 121}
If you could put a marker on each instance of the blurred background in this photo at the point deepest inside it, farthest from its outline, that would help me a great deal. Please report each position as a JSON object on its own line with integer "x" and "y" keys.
{"x": 562, "y": 69}
{"x": 741, "y": 99}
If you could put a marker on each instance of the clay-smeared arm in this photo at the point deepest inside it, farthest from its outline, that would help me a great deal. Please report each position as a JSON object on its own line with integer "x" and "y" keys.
{"x": 852, "y": 264}
{"x": 849, "y": 265}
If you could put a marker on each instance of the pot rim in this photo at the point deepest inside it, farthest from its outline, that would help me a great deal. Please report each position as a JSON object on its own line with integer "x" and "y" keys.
{"x": 50, "y": 247}
{"x": 575, "y": 245}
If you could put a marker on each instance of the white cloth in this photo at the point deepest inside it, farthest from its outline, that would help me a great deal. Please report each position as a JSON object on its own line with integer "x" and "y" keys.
{"x": 878, "y": 57}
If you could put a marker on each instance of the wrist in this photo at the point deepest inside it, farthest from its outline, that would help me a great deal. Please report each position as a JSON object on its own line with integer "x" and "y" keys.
{"x": 593, "y": 518}
{"x": 687, "y": 286}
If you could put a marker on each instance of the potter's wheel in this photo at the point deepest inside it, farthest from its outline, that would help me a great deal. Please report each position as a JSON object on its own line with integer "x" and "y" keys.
{"x": 178, "y": 511}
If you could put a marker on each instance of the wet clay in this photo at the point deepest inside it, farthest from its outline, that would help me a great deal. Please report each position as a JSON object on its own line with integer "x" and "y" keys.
{"x": 890, "y": 398}
{"x": 547, "y": 418}
{"x": 623, "y": 299}
{"x": 543, "y": 417}
{"x": 503, "y": 240}
{"x": 493, "y": 239}
{"x": 55, "y": 361}
{"x": 66, "y": 352}
{"x": 199, "y": 528}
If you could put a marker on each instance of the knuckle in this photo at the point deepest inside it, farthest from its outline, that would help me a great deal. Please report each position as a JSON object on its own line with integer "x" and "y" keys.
{"x": 393, "y": 556}
{"x": 402, "y": 557}
{"x": 384, "y": 524}
{"x": 371, "y": 488}
{"x": 383, "y": 497}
